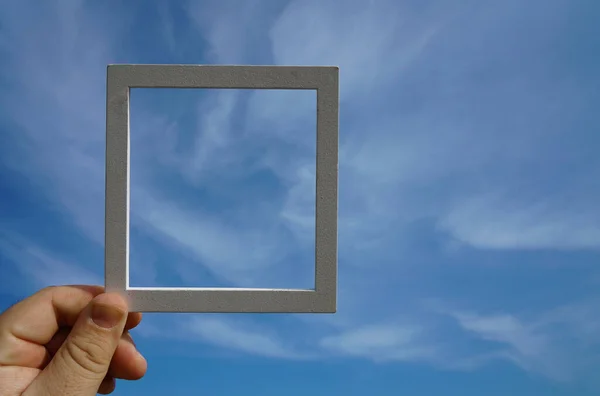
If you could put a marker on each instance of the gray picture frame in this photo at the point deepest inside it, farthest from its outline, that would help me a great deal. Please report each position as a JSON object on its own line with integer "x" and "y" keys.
{"x": 323, "y": 79}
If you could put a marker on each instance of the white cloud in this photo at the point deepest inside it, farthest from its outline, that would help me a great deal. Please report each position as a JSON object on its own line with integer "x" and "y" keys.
{"x": 372, "y": 41}
{"x": 231, "y": 336}
{"x": 299, "y": 207}
{"x": 211, "y": 148}
{"x": 381, "y": 343}
{"x": 494, "y": 223}
{"x": 56, "y": 105}
{"x": 232, "y": 30}
{"x": 236, "y": 255}
{"x": 39, "y": 268}
{"x": 552, "y": 343}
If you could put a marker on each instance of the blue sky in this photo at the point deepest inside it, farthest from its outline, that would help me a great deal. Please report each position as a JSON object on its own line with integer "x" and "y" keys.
{"x": 469, "y": 229}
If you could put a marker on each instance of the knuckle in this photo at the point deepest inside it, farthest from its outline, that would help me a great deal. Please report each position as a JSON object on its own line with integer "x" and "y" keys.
{"x": 48, "y": 289}
{"x": 11, "y": 350}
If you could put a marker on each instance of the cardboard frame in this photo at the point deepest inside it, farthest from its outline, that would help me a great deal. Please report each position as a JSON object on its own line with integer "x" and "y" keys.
{"x": 323, "y": 79}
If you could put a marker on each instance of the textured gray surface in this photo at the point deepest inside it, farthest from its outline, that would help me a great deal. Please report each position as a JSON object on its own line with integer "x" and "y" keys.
{"x": 323, "y": 79}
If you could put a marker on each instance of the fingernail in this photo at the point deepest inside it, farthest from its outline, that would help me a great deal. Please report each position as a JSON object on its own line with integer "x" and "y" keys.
{"x": 106, "y": 316}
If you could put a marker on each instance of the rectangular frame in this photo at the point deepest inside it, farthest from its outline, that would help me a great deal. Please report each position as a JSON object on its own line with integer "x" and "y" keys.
{"x": 323, "y": 79}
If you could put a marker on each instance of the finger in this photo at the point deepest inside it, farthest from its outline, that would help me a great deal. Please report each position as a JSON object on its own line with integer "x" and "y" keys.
{"x": 82, "y": 362}
{"x": 127, "y": 363}
{"x": 133, "y": 319}
{"x": 33, "y": 322}
{"x": 107, "y": 386}
{"x": 55, "y": 343}
{"x": 14, "y": 380}
{"x": 61, "y": 335}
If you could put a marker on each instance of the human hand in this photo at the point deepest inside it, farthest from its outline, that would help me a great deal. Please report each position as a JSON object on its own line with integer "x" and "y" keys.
{"x": 68, "y": 341}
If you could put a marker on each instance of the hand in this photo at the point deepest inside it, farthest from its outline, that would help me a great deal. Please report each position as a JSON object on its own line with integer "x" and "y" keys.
{"x": 68, "y": 341}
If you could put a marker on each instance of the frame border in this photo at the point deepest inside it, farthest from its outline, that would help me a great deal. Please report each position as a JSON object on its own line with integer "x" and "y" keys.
{"x": 323, "y": 79}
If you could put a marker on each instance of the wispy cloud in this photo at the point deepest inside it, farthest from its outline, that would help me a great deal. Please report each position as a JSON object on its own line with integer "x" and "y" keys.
{"x": 231, "y": 336}
{"x": 382, "y": 343}
{"x": 38, "y": 268}
{"x": 552, "y": 343}
{"x": 490, "y": 222}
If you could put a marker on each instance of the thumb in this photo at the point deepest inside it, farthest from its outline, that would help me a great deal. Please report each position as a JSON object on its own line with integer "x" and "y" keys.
{"x": 82, "y": 361}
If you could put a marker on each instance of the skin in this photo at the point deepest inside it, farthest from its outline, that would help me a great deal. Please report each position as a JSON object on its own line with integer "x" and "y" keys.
{"x": 52, "y": 344}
